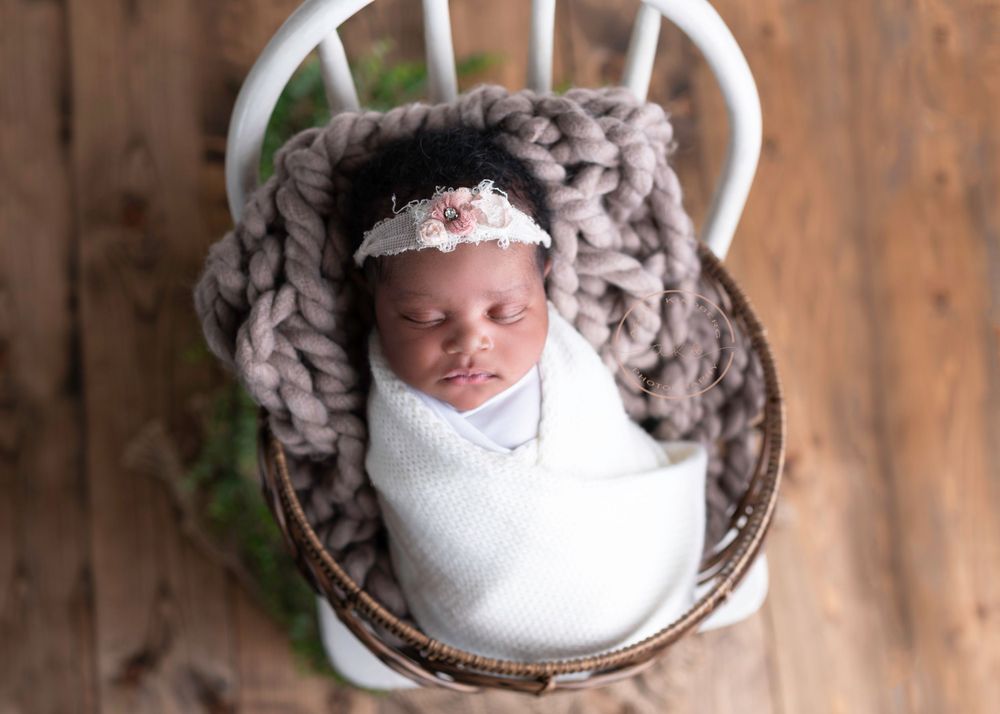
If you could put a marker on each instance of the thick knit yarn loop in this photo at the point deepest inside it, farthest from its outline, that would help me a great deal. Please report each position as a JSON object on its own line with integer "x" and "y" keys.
{"x": 280, "y": 301}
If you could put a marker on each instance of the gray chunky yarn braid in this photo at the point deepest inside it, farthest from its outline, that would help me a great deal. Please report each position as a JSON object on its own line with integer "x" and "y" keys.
{"x": 279, "y": 297}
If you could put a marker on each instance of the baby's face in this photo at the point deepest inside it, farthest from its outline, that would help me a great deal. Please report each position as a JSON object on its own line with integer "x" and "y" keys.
{"x": 480, "y": 308}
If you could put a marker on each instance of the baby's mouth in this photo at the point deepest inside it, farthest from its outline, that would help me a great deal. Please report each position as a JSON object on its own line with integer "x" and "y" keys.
{"x": 459, "y": 376}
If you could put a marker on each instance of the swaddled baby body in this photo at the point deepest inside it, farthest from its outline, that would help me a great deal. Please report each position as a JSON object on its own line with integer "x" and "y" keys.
{"x": 528, "y": 517}
{"x": 582, "y": 538}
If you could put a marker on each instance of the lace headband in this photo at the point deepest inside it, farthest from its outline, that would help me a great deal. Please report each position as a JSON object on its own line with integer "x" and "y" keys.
{"x": 450, "y": 217}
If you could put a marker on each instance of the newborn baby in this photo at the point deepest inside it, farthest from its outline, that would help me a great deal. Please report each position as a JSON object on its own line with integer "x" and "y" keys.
{"x": 528, "y": 517}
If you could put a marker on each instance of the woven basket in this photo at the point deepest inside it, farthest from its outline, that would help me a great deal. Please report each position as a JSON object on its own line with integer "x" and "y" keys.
{"x": 433, "y": 663}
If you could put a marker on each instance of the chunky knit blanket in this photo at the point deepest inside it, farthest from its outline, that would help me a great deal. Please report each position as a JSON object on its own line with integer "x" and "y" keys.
{"x": 582, "y": 540}
{"x": 280, "y": 298}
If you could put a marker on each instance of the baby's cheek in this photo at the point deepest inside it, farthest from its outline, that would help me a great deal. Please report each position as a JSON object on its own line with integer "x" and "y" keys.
{"x": 421, "y": 359}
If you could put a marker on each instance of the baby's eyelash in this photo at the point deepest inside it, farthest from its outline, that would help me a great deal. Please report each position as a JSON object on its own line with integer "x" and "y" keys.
{"x": 421, "y": 322}
{"x": 511, "y": 316}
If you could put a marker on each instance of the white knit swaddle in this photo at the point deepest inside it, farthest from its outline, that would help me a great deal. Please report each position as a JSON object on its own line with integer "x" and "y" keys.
{"x": 583, "y": 540}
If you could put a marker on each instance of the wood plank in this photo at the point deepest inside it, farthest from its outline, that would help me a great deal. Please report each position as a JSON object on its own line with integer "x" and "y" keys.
{"x": 267, "y": 677}
{"x": 506, "y": 39}
{"x": 801, "y": 259}
{"x": 46, "y": 607}
{"x": 233, "y": 34}
{"x": 932, "y": 226}
{"x": 272, "y": 682}
{"x": 163, "y": 639}
{"x": 399, "y": 22}
{"x": 597, "y": 36}
{"x": 878, "y": 137}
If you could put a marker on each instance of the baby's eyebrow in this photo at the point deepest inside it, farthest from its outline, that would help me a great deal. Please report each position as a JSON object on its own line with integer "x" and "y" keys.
{"x": 495, "y": 294}
{"x": 490, "y": 293}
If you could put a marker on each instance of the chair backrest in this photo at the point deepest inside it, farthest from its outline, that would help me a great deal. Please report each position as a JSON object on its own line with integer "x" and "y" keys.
{"x": 314, "y": 26}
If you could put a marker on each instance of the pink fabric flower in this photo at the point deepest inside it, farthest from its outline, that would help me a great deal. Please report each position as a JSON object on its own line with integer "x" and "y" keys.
{"x": 432, "y": 232}
{"x": 455, "y": 211}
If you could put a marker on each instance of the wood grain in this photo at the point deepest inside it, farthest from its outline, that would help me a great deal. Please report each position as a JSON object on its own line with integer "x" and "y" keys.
{"x": 870, "y": 246}
{"x": 802, "y": 253}
{"x": 164, "y": 623}
{"x": 47, "y": 655}
{"x": 932, "y": 225}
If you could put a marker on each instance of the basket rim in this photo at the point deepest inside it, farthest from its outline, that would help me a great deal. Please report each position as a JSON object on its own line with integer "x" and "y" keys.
{"x": 425, "y": 658}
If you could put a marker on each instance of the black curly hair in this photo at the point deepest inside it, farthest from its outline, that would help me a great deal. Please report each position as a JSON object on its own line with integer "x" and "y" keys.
{"x": 412, "y": 168}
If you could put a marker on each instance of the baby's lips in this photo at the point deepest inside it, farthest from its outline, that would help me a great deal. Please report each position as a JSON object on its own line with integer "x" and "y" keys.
{"x": 466, "y": 372}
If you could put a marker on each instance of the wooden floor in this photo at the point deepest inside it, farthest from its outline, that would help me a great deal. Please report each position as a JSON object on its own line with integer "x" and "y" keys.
{"x": 870, "y": 247}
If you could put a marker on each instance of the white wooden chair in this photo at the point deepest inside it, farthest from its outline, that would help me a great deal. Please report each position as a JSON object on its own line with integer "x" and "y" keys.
{"x": 314, "y": 26}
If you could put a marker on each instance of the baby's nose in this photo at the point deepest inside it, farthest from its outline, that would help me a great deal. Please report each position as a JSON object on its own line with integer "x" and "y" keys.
{"x": 468, "y": 341}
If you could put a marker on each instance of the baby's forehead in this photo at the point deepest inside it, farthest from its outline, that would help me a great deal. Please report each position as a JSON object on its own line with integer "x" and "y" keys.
{"x": 459, "y": 293}
{"x": 488, "y": 269}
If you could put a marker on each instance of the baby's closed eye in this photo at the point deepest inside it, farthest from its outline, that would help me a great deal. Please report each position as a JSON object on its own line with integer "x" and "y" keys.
{"x": 503, "y": 315}
{"x": 509, "y": 314}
